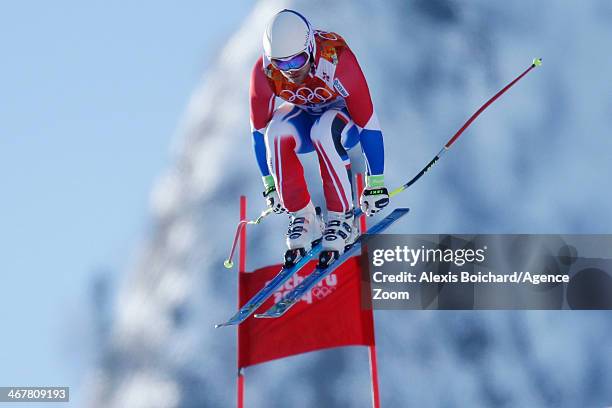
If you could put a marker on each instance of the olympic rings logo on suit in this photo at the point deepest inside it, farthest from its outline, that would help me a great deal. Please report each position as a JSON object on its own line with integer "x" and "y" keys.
{"x": 307, "y": 95}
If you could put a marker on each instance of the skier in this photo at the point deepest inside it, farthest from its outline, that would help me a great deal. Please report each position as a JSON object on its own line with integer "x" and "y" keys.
{"x": 326, "y": 108}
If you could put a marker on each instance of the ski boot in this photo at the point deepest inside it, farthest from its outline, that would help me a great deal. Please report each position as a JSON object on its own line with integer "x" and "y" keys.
{"x": 304, "y": 231}
{"x": 340, "y": 232}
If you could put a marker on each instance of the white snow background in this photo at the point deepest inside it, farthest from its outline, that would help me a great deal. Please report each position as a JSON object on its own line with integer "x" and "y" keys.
{"x": 537, "y": 161}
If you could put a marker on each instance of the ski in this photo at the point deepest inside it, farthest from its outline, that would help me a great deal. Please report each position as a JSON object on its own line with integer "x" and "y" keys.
{"x": 320, "y": 273}
{"x": 279, "y": 280}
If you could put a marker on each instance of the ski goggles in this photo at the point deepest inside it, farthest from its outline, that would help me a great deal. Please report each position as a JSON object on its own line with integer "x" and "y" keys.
{"x": 291, "y": 63}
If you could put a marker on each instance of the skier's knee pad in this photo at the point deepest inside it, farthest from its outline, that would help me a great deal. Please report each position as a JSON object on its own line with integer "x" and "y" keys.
{"x": 322, "y": 128}
{"x": 331, "y": 128}
{"x": 278, "y": 129}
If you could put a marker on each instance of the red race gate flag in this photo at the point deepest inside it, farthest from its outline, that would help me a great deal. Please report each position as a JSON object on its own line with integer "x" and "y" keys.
{"x": 329, "y": 316}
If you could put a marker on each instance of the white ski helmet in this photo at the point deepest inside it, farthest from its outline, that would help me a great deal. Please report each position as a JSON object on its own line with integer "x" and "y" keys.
{"x": 287, "y": 34}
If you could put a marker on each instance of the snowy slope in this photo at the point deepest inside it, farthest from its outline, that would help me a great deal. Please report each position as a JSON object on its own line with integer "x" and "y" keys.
{"x": 537, "y": 161}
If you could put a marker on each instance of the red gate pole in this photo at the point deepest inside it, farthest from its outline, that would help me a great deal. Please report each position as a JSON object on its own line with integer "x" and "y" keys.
{"x": 240, "y": 385}
{"x": 241, "y": 269}
{"x": 371, "y": 348}
{"x": 374, "y": 375}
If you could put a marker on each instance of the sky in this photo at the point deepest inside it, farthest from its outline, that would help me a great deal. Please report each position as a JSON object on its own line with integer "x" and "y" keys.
{"x": 91, "y": 94}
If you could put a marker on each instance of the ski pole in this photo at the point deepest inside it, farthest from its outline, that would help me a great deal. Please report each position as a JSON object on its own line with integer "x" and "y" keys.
{"x": 228, "y": 263}
{"x": 536, "y": 63}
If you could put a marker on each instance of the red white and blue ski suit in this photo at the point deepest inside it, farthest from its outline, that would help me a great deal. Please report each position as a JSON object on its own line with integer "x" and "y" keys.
{"x": 329, "y": 112}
